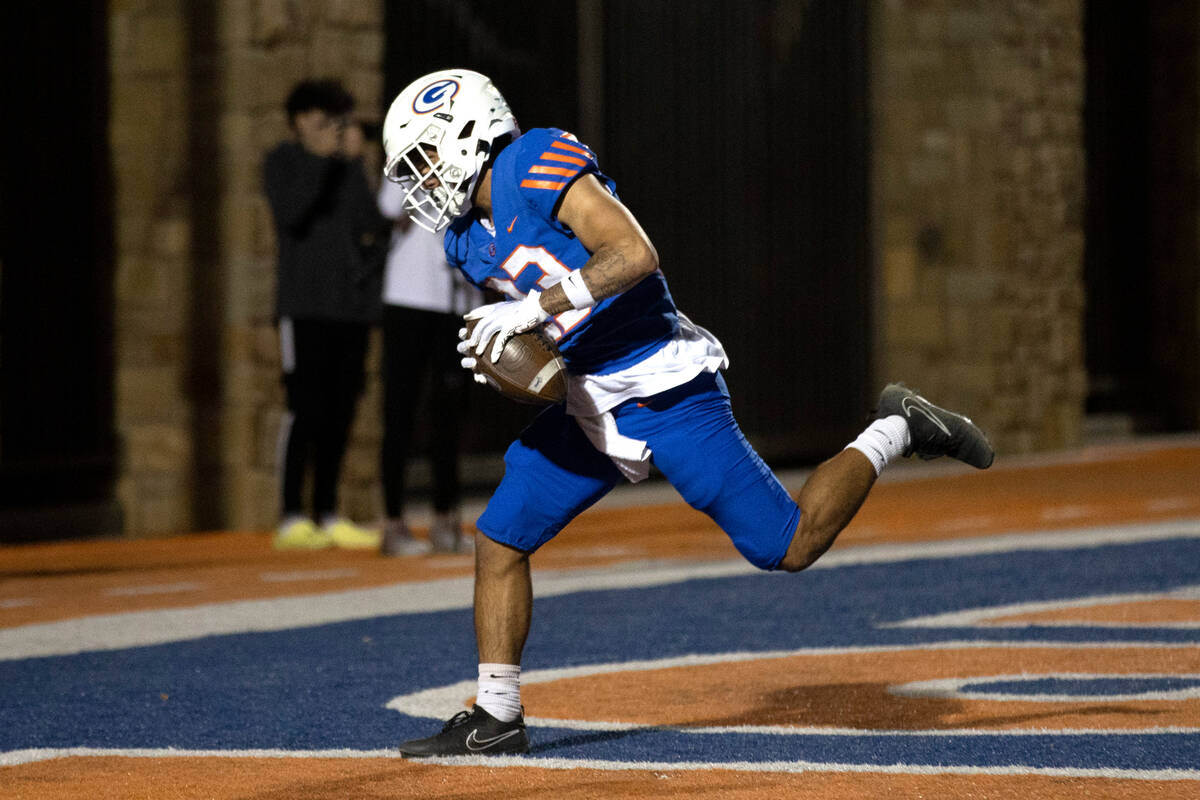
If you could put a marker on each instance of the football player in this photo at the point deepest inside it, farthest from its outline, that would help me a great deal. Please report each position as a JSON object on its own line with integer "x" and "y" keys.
{"x": 532, "y": 216}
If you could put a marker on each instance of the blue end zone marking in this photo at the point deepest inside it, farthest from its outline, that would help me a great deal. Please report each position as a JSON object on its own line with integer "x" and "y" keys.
{"x": 325, "y": 687}
{"x": 1084, "y": 751}
{"x": 1084, "y": 687}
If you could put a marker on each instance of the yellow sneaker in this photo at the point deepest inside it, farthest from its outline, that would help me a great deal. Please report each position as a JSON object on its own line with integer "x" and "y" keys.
{"x": 345, "y": 534}
{"x": 299, "y": 533}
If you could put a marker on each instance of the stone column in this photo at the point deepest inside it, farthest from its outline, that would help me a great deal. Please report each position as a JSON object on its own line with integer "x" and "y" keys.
{"x": 149, "y": 136}
{"x": 978, "y": 194}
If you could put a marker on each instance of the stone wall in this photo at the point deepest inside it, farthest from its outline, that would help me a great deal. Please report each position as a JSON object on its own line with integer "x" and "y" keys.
{"x": 197, "y": 99}
{"x": 149, "y": 116}
{"x": 978, "y": 193}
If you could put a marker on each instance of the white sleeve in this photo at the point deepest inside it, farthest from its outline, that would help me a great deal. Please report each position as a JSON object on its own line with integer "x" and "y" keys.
{"x": 391, "y": 199}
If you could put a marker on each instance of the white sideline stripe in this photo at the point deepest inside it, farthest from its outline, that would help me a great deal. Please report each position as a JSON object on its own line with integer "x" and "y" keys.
{"x": 307, "y": 575}
{"x": 964, "y": 523}
{"x": 1172, "y": 503}
{"x": 143, "y": 628}
{"x": 440, "y": 702}
{"x": 976, "y": 616}
{"x": 817, "y": 766}
{"x": 1061, "y": 513}
{"x": 159, "y": 588}
{"x": 959, "y": 688}
{"x": 17, "y": 757}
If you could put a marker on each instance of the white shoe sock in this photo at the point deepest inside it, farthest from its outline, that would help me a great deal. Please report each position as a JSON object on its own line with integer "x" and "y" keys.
{"x": 499, "y": 691}
{"x": 883, "y": 440}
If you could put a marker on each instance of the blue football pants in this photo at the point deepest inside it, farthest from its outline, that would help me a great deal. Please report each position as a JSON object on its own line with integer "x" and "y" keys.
{"x": 553, "y": 472}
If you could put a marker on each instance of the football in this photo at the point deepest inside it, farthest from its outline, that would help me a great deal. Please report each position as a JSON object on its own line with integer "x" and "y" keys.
{"x": 530, "y": 370}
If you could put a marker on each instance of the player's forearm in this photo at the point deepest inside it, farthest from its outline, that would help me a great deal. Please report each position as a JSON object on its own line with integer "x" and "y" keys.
{"x": 610, "y": 271}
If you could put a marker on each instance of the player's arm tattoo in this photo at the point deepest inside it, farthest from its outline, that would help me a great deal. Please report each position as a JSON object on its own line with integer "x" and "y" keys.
{"x": 608, "y": 272}
{"x": 622, "y": 255}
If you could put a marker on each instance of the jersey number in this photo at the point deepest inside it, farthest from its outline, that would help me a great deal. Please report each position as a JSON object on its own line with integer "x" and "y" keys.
{"x": 552, "y": 271}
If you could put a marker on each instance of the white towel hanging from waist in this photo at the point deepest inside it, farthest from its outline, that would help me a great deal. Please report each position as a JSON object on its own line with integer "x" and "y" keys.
{"x": 631, "y": 456}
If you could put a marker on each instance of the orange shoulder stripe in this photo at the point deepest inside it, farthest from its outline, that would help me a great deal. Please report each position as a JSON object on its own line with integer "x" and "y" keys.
{"x": 529, "y": 183}
{"x": 541, "y": 169}
{"x": 571, "y": 147}
{"x": 560, "y": 157}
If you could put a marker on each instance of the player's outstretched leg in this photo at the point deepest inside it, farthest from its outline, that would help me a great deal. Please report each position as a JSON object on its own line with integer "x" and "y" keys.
{"x": 935, "y": 431}
{"x": 905, "y": 424}
{"x": 471, "y": 733}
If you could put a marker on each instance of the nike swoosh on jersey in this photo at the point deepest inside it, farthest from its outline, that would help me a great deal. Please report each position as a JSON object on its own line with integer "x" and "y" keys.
{"x": 514, "y": 222}
{"x": 476, "y": 744}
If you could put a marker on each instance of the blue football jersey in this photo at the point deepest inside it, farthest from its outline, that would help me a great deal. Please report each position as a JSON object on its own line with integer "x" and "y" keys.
{"x": 532, "y": 249}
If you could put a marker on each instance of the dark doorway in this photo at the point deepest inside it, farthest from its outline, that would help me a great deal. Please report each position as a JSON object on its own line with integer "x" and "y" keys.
{"x": 57, "y": 443}
{"x": 1140, "y": 265}
{"x": 738, "y": 134}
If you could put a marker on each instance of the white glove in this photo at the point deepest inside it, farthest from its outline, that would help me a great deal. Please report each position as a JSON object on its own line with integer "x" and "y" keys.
{"x": 467, "y": 344}
{"x": 468, "y": 360}
{"x": 506, "y": 319}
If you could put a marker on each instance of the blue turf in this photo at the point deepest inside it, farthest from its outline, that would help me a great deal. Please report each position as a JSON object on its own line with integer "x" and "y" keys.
{"x": 325, "y": 687}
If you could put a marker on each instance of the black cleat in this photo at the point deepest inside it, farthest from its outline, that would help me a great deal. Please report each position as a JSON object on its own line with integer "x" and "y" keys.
{"x": 935, "y": 431}
{"x": 471, "y": 733}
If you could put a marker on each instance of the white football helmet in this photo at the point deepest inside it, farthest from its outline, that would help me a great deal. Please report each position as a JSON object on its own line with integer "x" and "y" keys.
{"x": 437, "y": 136}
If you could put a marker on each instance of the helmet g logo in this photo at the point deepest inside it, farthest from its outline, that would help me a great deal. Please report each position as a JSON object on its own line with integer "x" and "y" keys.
{"x": 435, "y": 95}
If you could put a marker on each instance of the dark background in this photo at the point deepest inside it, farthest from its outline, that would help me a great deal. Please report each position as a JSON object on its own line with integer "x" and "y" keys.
{"x": 57, "y": 442}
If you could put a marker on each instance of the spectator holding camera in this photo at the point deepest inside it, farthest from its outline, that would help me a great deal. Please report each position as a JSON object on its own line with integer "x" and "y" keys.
{"x": 327, "y": 297}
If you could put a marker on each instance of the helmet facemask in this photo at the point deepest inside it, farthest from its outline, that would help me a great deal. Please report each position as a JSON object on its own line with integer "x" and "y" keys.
{"x": 435, "y": 189}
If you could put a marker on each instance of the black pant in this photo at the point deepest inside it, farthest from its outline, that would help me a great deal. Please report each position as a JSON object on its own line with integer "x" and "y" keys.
{"x": 323, "y": 385}
{"x": 419, "y": 351}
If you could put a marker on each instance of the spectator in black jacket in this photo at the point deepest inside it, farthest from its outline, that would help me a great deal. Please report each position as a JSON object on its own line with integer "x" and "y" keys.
{"x": 327, "y": 298}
